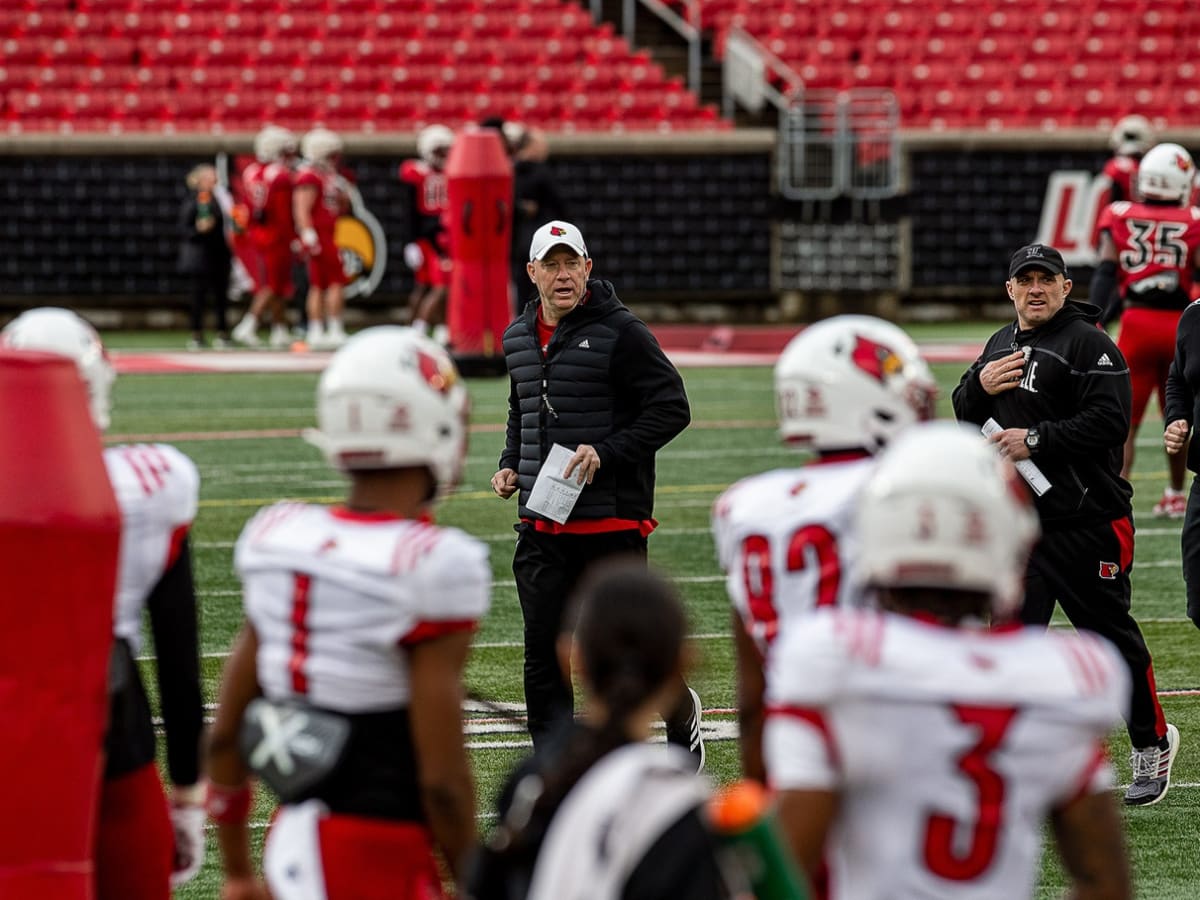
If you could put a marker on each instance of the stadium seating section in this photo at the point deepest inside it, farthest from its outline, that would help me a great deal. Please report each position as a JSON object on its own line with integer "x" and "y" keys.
{"x": 115, "y": 66}
{"x": 393, "y": 65}
{"x": 987, "y": 63}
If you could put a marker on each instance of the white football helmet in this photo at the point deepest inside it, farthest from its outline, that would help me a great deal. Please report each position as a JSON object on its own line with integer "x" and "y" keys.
{"x": 1132, "y": 136}
{"x": 434, "y": 141}
{"x": 1166, "y": 172}
{"x": 54, "y": 330}
{"x": 320, "y": 146}
{"x": 943, "y": 510}
{"x": 273, "y": 143}
{"x": 391, "y": 397}
{"x": 851, "y": 381}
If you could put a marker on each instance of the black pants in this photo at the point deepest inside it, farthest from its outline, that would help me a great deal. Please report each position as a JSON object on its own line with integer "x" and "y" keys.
{"x": 213, "y": 282}
{"x": 1190, "y": 540}
{"x": 548, "y": 568}
{"x": 1087, "y": 571}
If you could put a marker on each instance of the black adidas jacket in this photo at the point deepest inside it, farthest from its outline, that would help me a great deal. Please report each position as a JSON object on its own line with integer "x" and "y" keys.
{"x": 1076, "y": 391}
{"x": 1183, "y": 381}
{"x": 603, "y": 381}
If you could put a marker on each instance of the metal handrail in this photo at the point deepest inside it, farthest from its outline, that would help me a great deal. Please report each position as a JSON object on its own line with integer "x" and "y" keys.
{"x": 687, "y": 28}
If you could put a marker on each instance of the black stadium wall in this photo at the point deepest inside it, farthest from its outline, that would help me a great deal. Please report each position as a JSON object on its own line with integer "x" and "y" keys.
{"x": 679, "y": 223}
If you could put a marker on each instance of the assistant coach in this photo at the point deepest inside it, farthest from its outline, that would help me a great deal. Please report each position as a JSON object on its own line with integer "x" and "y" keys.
{"x": 1060, "y": 390}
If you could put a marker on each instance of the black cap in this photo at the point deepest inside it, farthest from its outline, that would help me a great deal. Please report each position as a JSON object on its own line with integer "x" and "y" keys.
{"x": 1037, "y": 256}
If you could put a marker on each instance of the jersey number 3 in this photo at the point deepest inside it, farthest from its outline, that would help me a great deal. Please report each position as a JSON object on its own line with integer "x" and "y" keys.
{"x": 809, "y": 544}
{"x": 957, "y": 860}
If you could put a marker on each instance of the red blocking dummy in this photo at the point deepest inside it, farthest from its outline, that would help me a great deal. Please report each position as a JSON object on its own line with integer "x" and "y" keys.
{"x": 479, "y": 185}
{"x": 60, "y": 531}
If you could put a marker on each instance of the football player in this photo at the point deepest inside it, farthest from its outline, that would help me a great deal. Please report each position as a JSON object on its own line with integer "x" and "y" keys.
{"x": 1131, "y": 137}
{"x": 1149, "y": 250}
{"x": 321, "y": 196}
{"x": 844, "y": 387}
{"x": 267, "y": 184}
{"x": 428, "y": 252}
{"x": 918, "y": 752}
{"x": 145, "y": 842}
{"x": 344, "y": 689}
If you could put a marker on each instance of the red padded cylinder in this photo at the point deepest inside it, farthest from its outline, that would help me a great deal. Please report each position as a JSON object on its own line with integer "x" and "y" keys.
{"x": 60, "y": 531}
{"x": 479, "y": 185}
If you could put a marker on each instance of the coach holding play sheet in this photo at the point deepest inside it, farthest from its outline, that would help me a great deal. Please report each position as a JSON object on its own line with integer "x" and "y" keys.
{"x": 587, "y": 374}
{"x": 1060, "y": 390}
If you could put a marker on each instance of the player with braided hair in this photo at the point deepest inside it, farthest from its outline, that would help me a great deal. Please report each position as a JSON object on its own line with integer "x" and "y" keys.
{"x": 597, "y": 811}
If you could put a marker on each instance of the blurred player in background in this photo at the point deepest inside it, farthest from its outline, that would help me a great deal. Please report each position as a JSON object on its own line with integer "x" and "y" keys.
{"x": 1131, "y": 137}
{"x": 321, "y": 196}
{"x": 267, "y": 184}
{"x": 1149, "y": 250}
{"x": 919, "y": 753}
{"x": 145, "y": 843}
{"x": 359, "y": 620}
{"x": 844, "y": 388}
{"x": 427, "y": 252}
{"x": 536, "y": 199}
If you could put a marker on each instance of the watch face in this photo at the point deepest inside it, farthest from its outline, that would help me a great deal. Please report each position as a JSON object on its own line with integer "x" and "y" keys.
{"x": 1031, "y": 439}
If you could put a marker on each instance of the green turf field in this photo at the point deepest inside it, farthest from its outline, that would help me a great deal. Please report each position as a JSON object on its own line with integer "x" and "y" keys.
{"x": 733, "y": 435}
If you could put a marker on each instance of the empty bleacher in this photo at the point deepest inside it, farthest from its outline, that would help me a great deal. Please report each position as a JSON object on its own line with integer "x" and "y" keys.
{"x": 987, "y": 63}
{"x": 115, "y": 66}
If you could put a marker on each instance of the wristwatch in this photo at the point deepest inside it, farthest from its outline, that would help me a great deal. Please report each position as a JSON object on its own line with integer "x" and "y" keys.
{"x": 1032, "y": 440}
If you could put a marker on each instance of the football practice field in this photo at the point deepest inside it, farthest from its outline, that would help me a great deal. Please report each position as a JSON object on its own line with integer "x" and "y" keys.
{"x": 243, "y": 432}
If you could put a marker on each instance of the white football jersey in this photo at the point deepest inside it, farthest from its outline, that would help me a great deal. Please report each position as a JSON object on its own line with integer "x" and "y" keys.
{"x": 335, "y": 597}
{"x": 949, "y": 747}
{"x": 157, "y": 489}
{"x": 785, "y": 542}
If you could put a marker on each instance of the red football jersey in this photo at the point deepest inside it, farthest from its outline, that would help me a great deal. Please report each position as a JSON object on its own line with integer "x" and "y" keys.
{"x": 331, "y": 197}
{"x": 1156, "y": 246}
{"x": 1120, "y": 178}
{"x": 1121, "y": 171}
{"x": 429, "y": 198}
{"x": 268, "y": 189}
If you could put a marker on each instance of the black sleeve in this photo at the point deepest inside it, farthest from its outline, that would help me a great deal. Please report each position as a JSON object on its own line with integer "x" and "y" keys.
{"x": 173, "y": 622}
{"x": 187, "y": 219}
{"x": 1181, "y": 398}
{"x": 511, "y": 456}
{"x": 1102, "y": 291}
{"x": 1103, "y": 404}
{"x": 647, "y": 382}
{"x": 971, "y": 402}
{"x": 683, "y": 862}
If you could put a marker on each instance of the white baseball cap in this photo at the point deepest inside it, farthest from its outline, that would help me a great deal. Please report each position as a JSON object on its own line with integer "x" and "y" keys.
{"x": 554, "y": 233}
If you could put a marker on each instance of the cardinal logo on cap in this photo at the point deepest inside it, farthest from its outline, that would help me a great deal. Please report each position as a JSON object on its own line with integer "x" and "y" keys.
{"x": 556, "y": 231}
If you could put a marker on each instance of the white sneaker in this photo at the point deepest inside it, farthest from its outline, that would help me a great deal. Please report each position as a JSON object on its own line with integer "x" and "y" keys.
{"x": 1152, "y": 771}
{"x": 1173, "y": 505}
{"x": 687, "y": 734}
{"x": 246, "y": 332}
{"x": 316, "y": 336}
{"x": 280, "y": 338}
{"x": 335, "y": 335}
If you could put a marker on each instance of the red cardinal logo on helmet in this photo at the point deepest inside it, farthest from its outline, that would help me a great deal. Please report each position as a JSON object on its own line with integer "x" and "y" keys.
{"x": 875, "y": 359}
{"x": 437, "y": 372}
